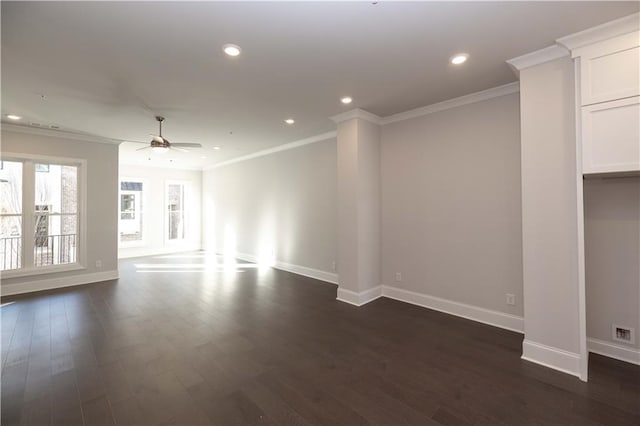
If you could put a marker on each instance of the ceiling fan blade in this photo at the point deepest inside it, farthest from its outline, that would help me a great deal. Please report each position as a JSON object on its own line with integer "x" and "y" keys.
{"x": 187, "y": 145}
{"x": 128, "y": 141}
{"x": 140, "y": 149}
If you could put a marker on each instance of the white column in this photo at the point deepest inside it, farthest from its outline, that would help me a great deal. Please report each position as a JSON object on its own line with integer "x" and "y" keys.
{"x": 358, "y": 207}
{"x": 554, "y": 325}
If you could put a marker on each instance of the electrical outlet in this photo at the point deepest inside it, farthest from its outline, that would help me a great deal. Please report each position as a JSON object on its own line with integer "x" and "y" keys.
{"x": 399, "y": 276}
{"x": 98, "y": 263}
{"x": 511, "y": 299}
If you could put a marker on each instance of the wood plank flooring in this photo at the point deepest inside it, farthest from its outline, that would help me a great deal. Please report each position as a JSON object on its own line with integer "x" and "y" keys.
{"x": 174, "y": 343}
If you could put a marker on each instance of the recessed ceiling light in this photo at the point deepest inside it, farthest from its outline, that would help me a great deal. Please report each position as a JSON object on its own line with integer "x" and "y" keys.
{"x": 346, "y": 100}
{"x": 216, "y": 148}
{"x": 203, "y": 157}
{"x": 459, "y": 58}
{"x": 289, "y": 121}
{"x": 231, "y": 49}
{"x": 13, "y": 117}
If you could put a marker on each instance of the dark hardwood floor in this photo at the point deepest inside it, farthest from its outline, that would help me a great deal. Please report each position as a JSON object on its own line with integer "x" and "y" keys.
{"x": 176, "y": 344}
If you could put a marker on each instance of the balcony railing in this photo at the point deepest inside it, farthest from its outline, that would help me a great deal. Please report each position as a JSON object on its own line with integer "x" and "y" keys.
{"x": 11, "y": 254}
{"x": 48, "y": 250}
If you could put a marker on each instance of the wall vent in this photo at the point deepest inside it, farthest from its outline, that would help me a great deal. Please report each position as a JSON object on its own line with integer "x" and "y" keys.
{"x": 624, "y": 334}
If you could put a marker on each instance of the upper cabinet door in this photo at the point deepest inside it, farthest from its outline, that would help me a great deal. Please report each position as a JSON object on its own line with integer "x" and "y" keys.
{"x": 610, "y": 69}
{"x": 611, "y": 136}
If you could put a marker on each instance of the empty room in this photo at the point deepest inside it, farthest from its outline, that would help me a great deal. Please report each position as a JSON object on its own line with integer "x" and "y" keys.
{"x": 344, "y": 213}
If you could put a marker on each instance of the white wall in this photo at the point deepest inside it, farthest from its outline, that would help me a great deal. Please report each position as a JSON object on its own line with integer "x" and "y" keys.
{"x": 451, "y": 217}
{"x": 612, "y": 256}
{"x": 550, "y": 215}
{"x": 154, "y": 210}
{"x": 102, "y": 204}
{"x": 282, "y": 204}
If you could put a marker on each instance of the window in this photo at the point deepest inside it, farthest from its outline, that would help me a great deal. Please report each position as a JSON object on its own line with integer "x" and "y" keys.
{"x": 175, "y": 211}
{"x": 56, "y": 214}
{"x": 131, "y": 213}
{"x": 10, "y": 215}
{"x": 39, "y": 219}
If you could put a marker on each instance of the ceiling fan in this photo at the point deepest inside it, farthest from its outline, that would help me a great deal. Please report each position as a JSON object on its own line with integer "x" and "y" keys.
{"x": 161, "y": 145}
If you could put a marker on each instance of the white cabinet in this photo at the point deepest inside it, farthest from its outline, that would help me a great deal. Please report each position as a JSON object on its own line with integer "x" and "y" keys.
{"x": 610, "y": 69}
{"x": 611, "y": 136}
{"x": 609, "y": 93}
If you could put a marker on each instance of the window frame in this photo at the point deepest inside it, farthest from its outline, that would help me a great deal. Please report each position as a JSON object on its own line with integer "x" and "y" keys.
{"x": 143, "y": 211}
{"x": 29, "y": 212}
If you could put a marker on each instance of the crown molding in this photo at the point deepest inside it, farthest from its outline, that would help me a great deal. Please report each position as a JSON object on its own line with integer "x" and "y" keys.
{"x": 483, "y": 95}
{"x": 602, "y": 32}
{"x": 297, "y": 144}
{"x": 356, "y": 113}
{"x": 85, "y": 137}
{"x": 541, "y": 56}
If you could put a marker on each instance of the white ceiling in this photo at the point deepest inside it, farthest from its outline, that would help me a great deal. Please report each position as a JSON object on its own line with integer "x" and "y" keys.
{"x": 108, "y": 68}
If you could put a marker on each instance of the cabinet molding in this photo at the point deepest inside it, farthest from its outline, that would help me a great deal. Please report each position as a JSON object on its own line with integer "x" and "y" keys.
{"x": 611, "y": 136}
{"x": 610, "y": 69}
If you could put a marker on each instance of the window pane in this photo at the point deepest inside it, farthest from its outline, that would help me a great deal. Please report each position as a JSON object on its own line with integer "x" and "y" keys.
{"x": 55, "y": 239}
{"x": 175, "y": 207}
{"x": 131, "y": 213}
{"x": 11, "y": 187}
{"x": 57, "y": 187}
{"x": 10, "y": 242}
{"x": 127, "y": 206}
{"x": 176, "y": 225}
{"x": 176, "y": 197}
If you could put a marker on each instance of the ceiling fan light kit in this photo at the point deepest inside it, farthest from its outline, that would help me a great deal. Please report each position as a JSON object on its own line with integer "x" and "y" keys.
{"x": 160, "y": 145}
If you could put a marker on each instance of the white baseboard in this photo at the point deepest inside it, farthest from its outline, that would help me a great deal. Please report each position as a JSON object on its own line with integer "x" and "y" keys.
{"x": 547, "y": 356}
{"x": 475, "y": 313}
{"x": 317, "y": 274}
{"x": 614, "y": 350}
{"x": 329, "y": 277}
{"x": 359, "y": 299}
{"x": 129, "y": 252}
{"x": 58, "y": 282}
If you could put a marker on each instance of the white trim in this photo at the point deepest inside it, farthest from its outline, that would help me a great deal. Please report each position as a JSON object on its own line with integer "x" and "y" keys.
{"x": 58, "y": 282}
{"x": 474, "y": 313}
{"x": 284, "y": 147}
{"x": 61, "y": 134}
{"x": 602, "y": 32}
{"x": 582, "y": 310}
{"x": 244, "y": 256}
{"x": 615, "y": 351}
{"x": 359, "y": 299}
{"x": 547, "y": 356}
{"x": 483, "y": 95}
{"x": 50, "y": 269}
{"x": 538, "y": 57}
{"x": 317, "y": 274}
{"x": 356, "y": 113}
